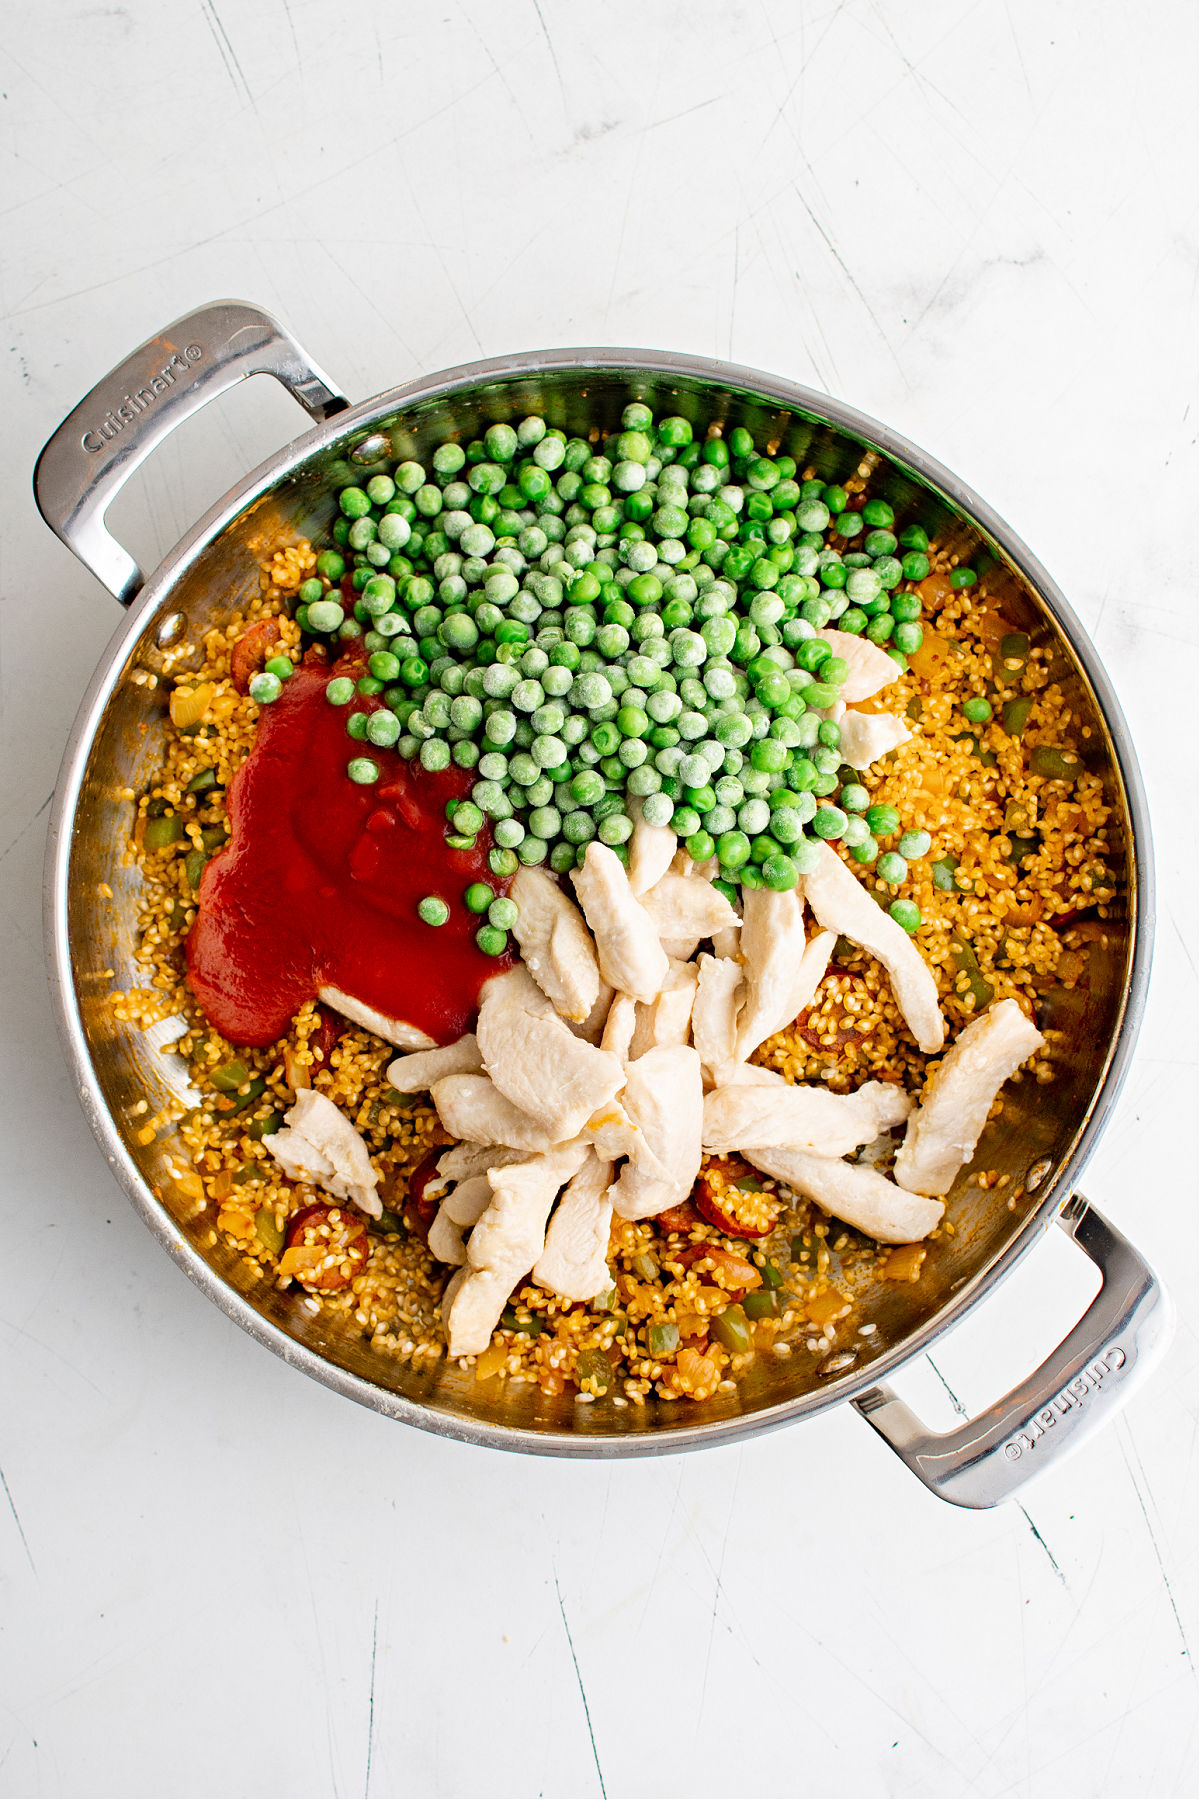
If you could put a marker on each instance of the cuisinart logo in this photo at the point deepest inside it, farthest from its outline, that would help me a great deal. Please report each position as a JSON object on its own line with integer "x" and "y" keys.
{"x": 1077, "y": 1393}
{"x": 118, "y": 417}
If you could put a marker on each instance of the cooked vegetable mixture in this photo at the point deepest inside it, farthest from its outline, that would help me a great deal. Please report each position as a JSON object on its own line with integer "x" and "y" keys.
{"x": 754, "y": 802}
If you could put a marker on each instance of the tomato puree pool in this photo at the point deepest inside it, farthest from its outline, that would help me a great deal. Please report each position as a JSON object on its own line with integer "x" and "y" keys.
{"x": 319, "y": 884}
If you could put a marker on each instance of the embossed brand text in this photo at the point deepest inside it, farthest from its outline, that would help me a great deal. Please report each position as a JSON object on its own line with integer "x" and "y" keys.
{"x": 127, "y": 410}
{"x": 1075, "y": 1394}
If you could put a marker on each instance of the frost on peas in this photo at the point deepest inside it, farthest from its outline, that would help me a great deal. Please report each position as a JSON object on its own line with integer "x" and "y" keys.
{"x": 663, "y": 706}
{"x": 688, "y": 648}
{"x": 548, "y": 751}
{"x": 644, "y": 780}
{"x": 754, "y": 816}
{"x": 657, "y": 809}
{"x": 638, "y": 555}
{"x": 680, "y": 587}
{"x": 394, "y": 531}
{"x": 629, "y": 477}
{"x": 477, "y": 539}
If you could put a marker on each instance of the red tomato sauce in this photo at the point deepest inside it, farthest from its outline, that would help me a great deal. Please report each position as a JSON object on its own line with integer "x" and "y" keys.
{"x": 319, "y": 883}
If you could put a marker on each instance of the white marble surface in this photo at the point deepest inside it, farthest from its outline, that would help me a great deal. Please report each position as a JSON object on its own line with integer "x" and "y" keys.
{"x": 975, "y": 222}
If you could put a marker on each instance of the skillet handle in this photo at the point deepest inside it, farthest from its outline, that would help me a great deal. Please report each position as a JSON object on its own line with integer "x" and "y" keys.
{"x": 1087, "y": 1378}
{"x": 114, "y": 428}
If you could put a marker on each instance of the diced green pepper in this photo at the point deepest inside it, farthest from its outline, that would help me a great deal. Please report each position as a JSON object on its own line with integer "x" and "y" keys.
{"x": 530, "y": 1327}
{"x": 254, "y": 1091}
{"x": 732, "y": 1328}
{"x": 967, "y": 963}
{"x": 265, "y": 1127}
{"x": 1014, "y": 652}
{"x": 1044, "y": 759}
{"x": 269, "y": 1234}
{"x": 163, "y": 832}
{"x": 230, "y": 1076}
{"x": 595, "y": 1367}
{"x": 1014, "y": 714}
{"x": 764, "y": 1303}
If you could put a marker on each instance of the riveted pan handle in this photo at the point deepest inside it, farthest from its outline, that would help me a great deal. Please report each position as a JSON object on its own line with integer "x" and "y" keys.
{"x": 1080, "y": 1385}
{"x": 98, "y": 446}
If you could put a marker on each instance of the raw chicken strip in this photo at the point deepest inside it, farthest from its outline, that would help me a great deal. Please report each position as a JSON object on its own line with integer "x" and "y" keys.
{"x": 544, "y": 1069}
{"x": 505, "y": 1245}
{"x": 463, "y": 1205}
{"x": 620, "y": 1026}
{"x": 868, "y": 736}
{"x": 728, "y": 942}
{"x": 715, "y": 1009}
{"x": 666, "y": 1020}
{"x": 467, "y": 1203}
{"x": 574, "y": 1262}
{"x": 772, "y": 946}
{"x": 631, "y": 957}
{"x": 842, "y": 904}
{"x": 393, "y": 1031}
{"x": 743, "y": 1074}
{"x": 944, "y": 1130}
{"x": 870, "y": 668}
{"x": 651, "y": 849}
{"x": 446, "y": 1239}
{"x": 854, "y": 1192}
{"x": 806, "y": 1117}
{"x": 472, "y": 1107}
{"x": 417, "y": 1073}
{"x": 811, "y": 972}
{"x": 591, "y": 1029}
{"x": 555, "y": 943}
{"x": 686, "y": 908}
{"x": 462, "y": 1162}
{"x": 664, "y": 1101}
{"x": 322, "y": 1146}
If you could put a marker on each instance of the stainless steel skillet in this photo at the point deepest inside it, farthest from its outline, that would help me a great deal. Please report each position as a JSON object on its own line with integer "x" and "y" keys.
{"x": 1043, "y": 1138}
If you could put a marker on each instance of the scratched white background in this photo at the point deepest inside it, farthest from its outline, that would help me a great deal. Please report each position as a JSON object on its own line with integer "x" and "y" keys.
{"x": 973, "y": 221}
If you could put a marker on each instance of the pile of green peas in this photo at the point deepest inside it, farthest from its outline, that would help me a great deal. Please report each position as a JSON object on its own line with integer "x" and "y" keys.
{"x": 585, "y": 625}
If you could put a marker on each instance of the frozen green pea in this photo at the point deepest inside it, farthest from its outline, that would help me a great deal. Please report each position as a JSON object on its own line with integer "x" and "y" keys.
{"x": 435, "y": 754}
{"x": 912, "y": 844}
{"x": 907, "y": 914}
{"x": 658, "y": 809}
{"x": 828, "y": 822}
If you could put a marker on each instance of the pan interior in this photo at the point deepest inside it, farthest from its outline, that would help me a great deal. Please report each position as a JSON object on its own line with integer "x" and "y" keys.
{"x": 1029, "y": 1143}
